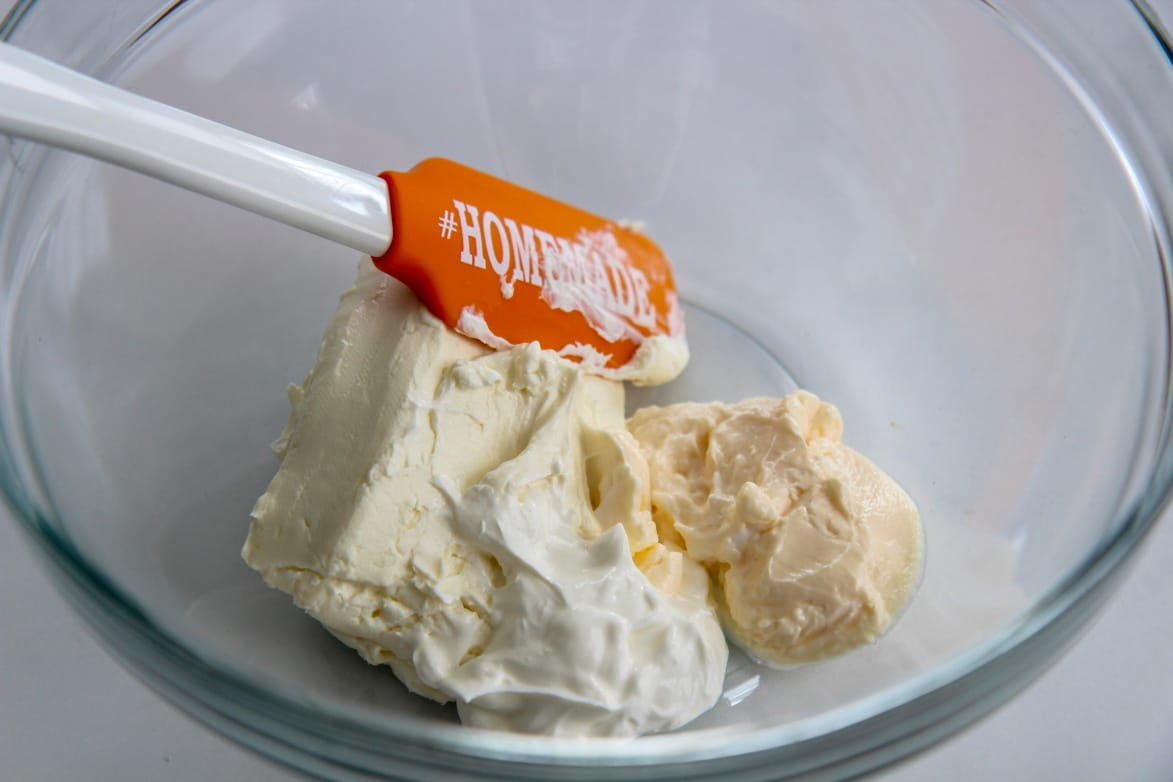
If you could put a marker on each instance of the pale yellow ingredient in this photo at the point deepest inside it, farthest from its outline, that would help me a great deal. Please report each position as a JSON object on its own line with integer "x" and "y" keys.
{"x": 812, "y": 549}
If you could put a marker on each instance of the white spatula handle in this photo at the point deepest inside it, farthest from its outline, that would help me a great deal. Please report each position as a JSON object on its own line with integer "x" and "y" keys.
{"x": 45, "y": 102}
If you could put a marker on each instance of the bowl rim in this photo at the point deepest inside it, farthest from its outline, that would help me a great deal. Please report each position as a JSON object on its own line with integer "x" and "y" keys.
{"x": 884, "y": 726}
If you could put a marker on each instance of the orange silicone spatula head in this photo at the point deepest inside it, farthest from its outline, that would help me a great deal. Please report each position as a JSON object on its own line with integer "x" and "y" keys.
{"x": 507, "y": 266}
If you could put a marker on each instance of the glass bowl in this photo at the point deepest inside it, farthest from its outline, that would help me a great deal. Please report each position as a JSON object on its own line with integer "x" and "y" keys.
{"x": 949, "y": 218}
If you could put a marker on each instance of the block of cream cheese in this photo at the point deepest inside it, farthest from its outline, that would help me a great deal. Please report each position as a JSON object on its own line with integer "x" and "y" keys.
{"x": 474, "y": 520}
{"x": 813, "y": 550}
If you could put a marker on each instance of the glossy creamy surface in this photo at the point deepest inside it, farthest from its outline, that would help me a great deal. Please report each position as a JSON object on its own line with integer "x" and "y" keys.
{"x": 813, "y": 549}
{"x": 473, "y": 519}
{"x": 485, "y": 523}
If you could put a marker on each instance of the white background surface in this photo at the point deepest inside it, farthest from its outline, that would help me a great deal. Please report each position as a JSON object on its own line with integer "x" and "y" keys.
{"x": 67, "y": 711}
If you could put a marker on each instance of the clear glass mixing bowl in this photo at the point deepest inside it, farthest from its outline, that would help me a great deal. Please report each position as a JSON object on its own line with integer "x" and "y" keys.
{"x": 950, "y": 218}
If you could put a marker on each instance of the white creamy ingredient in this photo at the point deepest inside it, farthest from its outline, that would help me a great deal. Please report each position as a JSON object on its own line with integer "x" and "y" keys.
{"x": 574, "y": 279}
{"x": 473, "y": 519}
{"x": 657, "y": 360}
{"x": 813, "y": 550}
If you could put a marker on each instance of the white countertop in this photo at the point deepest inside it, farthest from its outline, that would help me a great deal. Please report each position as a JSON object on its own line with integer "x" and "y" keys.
{"x": 67, "y": 711}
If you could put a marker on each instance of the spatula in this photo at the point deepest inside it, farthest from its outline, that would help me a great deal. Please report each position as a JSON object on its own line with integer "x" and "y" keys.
{"x": 493, "y": 260}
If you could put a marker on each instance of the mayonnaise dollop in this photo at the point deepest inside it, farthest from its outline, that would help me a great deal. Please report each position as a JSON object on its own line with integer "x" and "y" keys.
{"x": 813, "y": 550}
